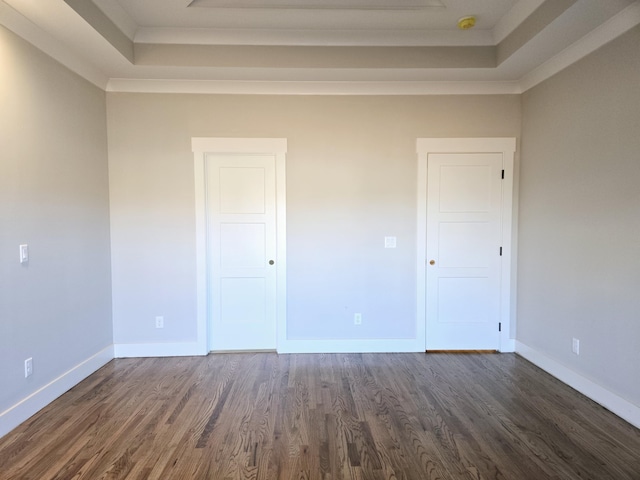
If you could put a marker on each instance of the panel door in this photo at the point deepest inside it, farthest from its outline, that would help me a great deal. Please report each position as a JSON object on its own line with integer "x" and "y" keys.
{"x": 241, "y": 246}
{"x": 464, "y": 197}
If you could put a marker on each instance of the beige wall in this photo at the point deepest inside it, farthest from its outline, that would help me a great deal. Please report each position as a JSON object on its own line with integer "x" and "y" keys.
{"x": 579, "y": 262}
{"x": 54, "y": 197}
{"x": 351, "y": 180}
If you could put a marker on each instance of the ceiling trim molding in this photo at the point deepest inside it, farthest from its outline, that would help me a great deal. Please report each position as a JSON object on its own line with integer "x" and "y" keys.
{"x": 608, "y": 31}
{"x": 232, "y": 87}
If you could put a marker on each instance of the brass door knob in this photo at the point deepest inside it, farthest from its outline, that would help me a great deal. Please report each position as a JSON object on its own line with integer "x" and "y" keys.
{"x": 432, "y": 262}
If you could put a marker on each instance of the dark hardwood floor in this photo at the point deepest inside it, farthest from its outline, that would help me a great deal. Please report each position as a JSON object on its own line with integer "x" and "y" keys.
{"x": 357, "y": 416}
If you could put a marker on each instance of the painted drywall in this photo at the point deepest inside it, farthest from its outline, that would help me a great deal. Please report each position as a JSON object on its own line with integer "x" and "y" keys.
{"x": 579, "y": 236}
{"x": 53, "y": 197}
{"x": 351, "y": 181}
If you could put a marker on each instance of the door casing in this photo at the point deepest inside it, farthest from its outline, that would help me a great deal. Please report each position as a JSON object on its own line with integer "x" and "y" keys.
{"x": 506, "y": 147}
{"x": 201, "y": 146}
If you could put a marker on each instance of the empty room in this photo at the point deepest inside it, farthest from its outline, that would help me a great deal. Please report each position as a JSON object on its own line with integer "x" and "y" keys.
{"x": 305, "y": 239}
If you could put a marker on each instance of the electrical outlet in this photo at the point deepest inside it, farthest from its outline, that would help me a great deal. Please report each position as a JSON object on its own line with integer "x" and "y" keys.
{"x": 159, "y": 322}
{"x": 357, "y": 318}
{"x": 28, "y": 367}
{"x": 575, "y": 348}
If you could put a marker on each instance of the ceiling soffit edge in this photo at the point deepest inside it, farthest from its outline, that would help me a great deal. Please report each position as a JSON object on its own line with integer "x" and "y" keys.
{"x": 247, "y": 56}
{"x": 104, "y": 26}
{"x": 316, "y": 37}
{"x": 535, "y": 23}
{"x": 20, "y": 25}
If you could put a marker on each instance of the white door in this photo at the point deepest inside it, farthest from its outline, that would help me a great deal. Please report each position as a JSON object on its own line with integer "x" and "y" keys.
{"x": 463, "y": 238}
{"x": 241, "y": 246}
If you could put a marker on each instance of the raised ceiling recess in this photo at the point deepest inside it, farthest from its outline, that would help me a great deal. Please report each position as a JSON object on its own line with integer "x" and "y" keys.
{"x": 318, "y": 46}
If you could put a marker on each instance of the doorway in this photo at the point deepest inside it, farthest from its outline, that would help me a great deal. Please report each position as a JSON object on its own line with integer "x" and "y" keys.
{"x": 241, "y": 227}
{"x": 464, "y": 242}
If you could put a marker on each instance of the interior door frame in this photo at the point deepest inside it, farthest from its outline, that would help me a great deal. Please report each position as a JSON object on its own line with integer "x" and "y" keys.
{"x": 505, "y": 146}
{"x": 201, "y": 146}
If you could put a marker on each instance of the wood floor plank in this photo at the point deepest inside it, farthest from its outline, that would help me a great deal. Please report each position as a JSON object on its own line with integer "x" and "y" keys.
{"x": 261, "y": 416}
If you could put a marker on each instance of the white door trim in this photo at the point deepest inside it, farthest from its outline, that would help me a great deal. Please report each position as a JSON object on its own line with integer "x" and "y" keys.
{"x": 505, "y": 146}
{"x": 269, "y": 146}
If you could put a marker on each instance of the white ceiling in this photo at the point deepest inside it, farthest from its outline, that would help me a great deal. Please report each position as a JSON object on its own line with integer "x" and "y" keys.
{"x": 420, "y": 16}
{"x": 318, "y": 46}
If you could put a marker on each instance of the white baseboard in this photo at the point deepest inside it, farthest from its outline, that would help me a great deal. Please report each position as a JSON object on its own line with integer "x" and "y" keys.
{"x": 508, "y": 346}
{"x": 25, "y": 408}
{"x": 133, "y": 350}
{"x": 612, "y": 402}
{"x": 351, "y": 346}
{"x": 364, "y": 346}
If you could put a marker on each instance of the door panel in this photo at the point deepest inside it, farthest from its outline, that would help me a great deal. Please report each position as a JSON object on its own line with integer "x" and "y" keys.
{"x": 464, "y": 188}
{"x": 235, "y": 310}
{"x": 242, "y": 190}
{"x": 457, "y": 251}
{"x": 475, "y": 307}
{"x": 241, "y": 243}
{"x": 464, "y": 196}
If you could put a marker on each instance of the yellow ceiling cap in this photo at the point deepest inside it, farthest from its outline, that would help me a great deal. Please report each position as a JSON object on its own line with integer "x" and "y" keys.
{"x": 465, "y": 23}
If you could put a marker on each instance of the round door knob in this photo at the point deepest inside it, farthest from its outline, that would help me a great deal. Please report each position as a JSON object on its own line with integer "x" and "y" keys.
{"x": 432, "y": 262}
{"x": 271, "y": 262}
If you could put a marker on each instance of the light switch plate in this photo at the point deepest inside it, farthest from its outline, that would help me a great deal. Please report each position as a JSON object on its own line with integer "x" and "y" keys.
{"x": 389, "y": 242}
{"x": 24, "y": 253}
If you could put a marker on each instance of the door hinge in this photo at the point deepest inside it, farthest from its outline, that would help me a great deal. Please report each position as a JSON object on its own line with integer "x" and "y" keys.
{"x": 502, "y": 174}
{"x": 500, "y": 251}
{"x": 499, "y": 326}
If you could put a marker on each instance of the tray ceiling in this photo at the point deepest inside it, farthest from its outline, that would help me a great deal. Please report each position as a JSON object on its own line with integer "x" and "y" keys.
{"x": 313, "y": 46}
{"x": 365, "y": 15}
